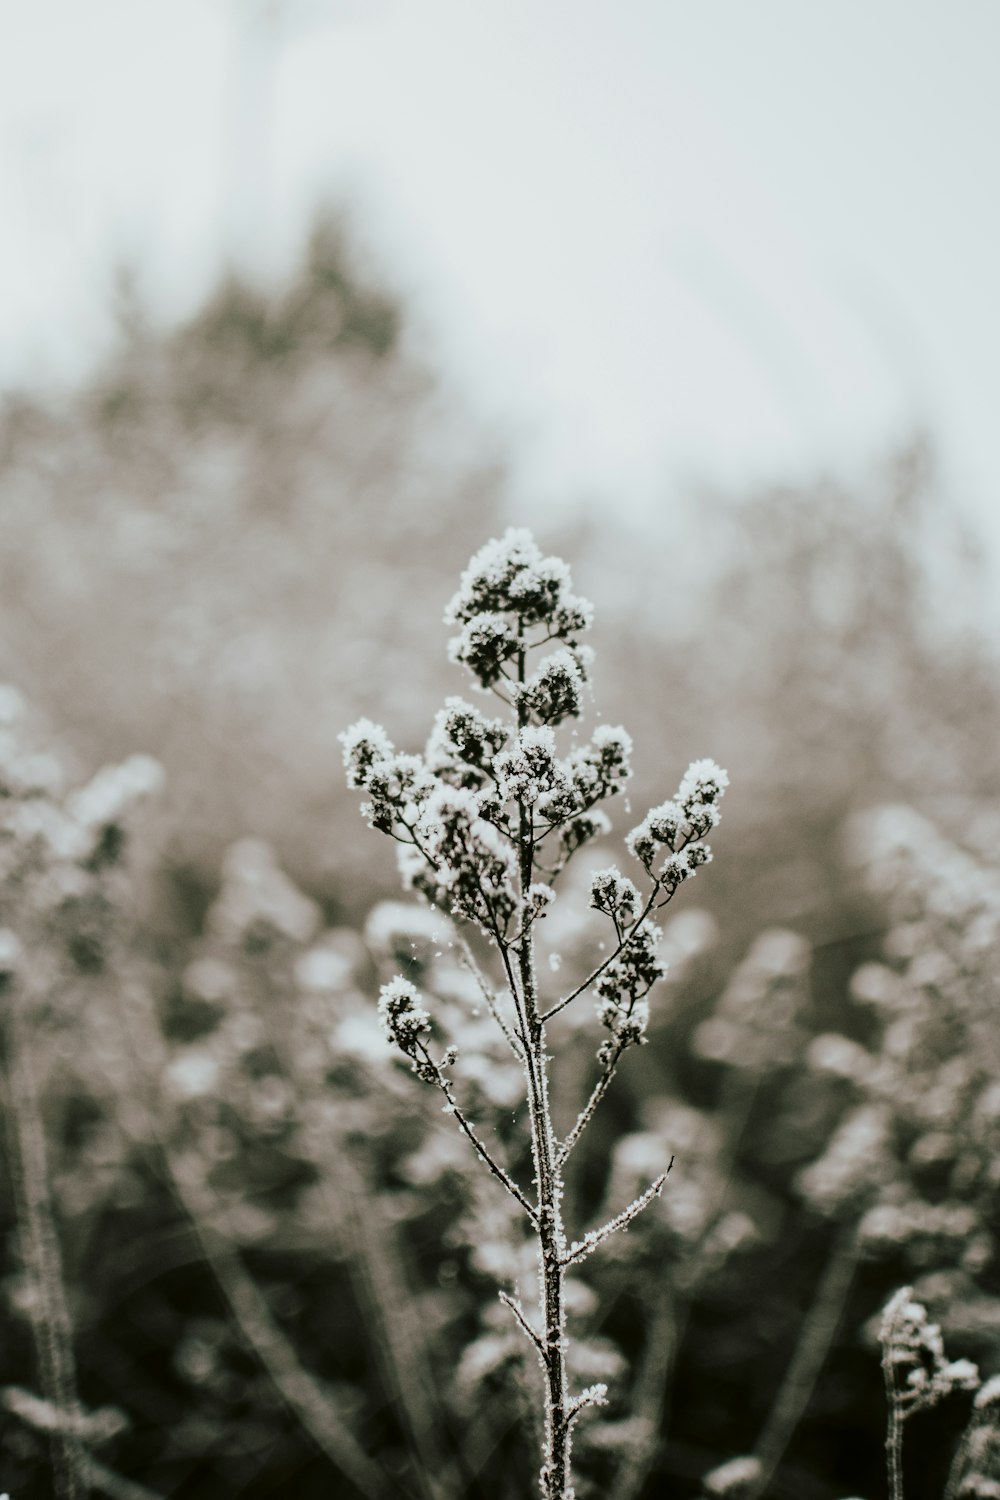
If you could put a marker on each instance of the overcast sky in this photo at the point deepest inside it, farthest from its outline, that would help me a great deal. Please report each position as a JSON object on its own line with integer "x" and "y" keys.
{"x": 655, "y": 242}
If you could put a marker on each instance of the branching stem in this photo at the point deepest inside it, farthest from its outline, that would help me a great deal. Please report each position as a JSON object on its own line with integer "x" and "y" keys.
{"x": 580, "y": 1249}
{"x": 492, "y": 1002}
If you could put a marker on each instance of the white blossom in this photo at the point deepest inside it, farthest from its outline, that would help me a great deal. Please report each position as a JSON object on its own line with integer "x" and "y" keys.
{"x": 364, "y": 744}
{"x": 404, "y": 1020}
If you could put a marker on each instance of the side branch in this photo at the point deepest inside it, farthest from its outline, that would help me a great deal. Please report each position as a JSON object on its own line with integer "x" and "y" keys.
{"x": 586, "y": 1114}
{"x": 525, "y": 1326}
{"x": 580, "y": 1249}
{"x": 435, "y": 1072}
{"x": 594, "y": 1395}
{"x": 492, "y": 1003}
{"x": 596, "y": 973}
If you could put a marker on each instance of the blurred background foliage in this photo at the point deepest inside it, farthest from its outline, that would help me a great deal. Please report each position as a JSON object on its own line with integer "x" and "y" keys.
{"x": 232, "y": 542}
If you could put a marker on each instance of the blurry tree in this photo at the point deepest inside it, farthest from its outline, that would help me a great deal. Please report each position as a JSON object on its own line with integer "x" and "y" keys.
{"x": 828, "y": 644}
{"x": 204, "y": 548}
{"x": 259, "y": 30}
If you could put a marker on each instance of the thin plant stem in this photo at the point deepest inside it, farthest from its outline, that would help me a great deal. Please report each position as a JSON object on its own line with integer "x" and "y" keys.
{"x": 554, "y": 1478}
{"x": 894, "y": 1454}
{"x": 598, "y": 970}
{"x": 894, "y": 1427}
{"x": 587, "y": 1112}
{"x": 594, "y": 1238}
{"x": 649, "y": 1393}
{"x": 50, "y": 1319}
{"x": 492, "y": 1003}
{"x": 818, "y": 1331}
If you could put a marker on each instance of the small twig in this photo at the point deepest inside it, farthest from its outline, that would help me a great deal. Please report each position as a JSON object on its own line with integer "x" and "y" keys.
{"x": 586, "y": 1114}
{"x": 454, "y": 1108}
{"x": 492, "y": 1003}
{"x": 596, "y": 973}
{"x": 580, "y": 1249}
{"x": 894, "y": 1426}
{"x": 526, "y": 1327}
{"x": 594, "y": 1395}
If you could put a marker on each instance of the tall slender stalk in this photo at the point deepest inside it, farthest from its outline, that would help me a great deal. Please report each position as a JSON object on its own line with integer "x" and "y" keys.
{"x": 39, "y": 1239}
{"x": 819, "y": 1328}
{"x": 549, "y": 1227}
{"x": 916, "y": 1372}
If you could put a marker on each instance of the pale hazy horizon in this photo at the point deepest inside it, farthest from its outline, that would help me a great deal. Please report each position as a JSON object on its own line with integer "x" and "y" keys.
{"x": 650, "y": 245}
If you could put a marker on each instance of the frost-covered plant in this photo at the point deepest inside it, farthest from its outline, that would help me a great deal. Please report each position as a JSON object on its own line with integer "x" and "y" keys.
{"x": 917, "y": 1375}
{"x": 62, "y": 873}
{"x": 487, "y": 819}
{"x": 911, "y": 1161}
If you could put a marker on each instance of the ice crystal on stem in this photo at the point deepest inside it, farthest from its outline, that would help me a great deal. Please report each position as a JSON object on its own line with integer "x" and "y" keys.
{"x": 487, "y": 820}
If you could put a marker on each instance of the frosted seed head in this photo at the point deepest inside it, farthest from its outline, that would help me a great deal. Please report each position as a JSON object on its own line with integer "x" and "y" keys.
{"x": 463, "y": 743}
{"x": 528, "y": 770}
{"x": 487, "y": 642}
{"x": 365, "y": 744}
{"x": 510, "y": 575}
{"x": 538, "y": 897}
{"x": 404, "y": 1020}
{"x": 614, "y": 894}
{"x": 703, "y": 782}
{"x": 554, "y": 692}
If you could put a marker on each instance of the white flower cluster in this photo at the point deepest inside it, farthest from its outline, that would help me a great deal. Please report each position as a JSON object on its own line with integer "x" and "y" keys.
{"x": 509, "y": 573}
{"x": 538, "y": 897}
{"x": 622, "y": 986}
{"x": 614, "y": 894}
{"x": 404, "y": 1020}
{"x": 365, "y": 746}
{"x": 555, "y": 691}
{"x": 508, "y": 589}
{"x": 63, "y": 856}
{"x": 456, "y": 809}
{"x": 463, "y": 744}
{"x": 258, "y": 905}
{"x": 917, "y": 1372}
{"x": 530, "y": 770}
{"x": 941, "y": 1231}
{"x": 103, "y": 807}
{"x": 485, "y": 645}
{"x": 460, "y": 862}
{"x": 668, "y": 841}
{"x": 756, "y": 1023}
{"x": 602, "y": 768}
{"x": 855, "y": 1164}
